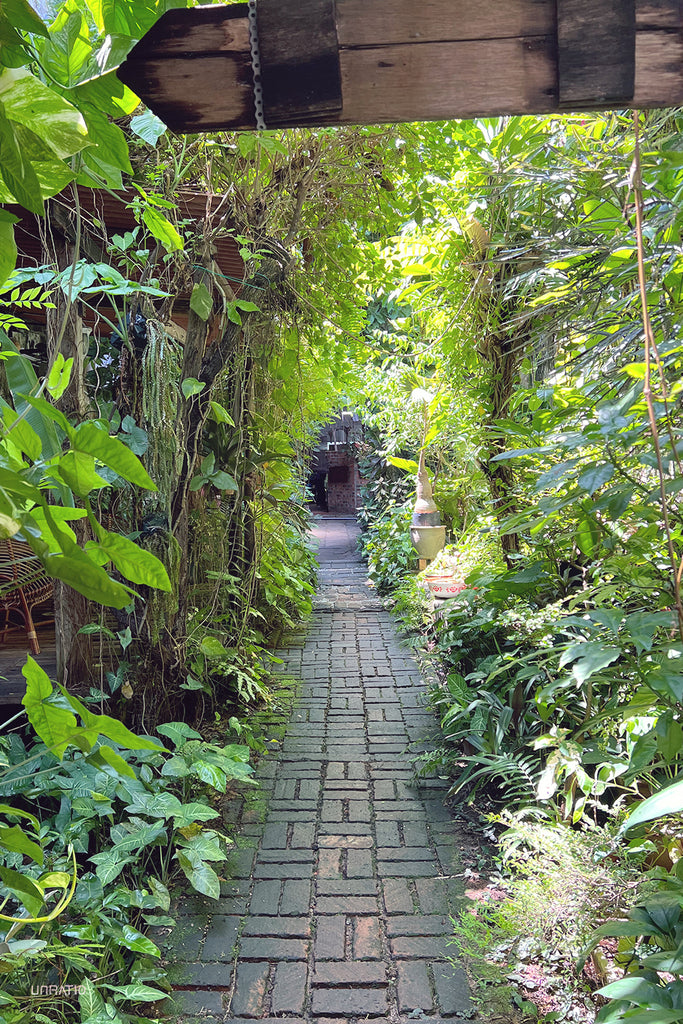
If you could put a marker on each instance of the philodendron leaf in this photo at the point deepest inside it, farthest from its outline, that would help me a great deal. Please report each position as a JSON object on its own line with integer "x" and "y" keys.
{"x": 93, "y": 439}
{"x": 137, "y": 993}
{"x": 667, "y": 801}
{"x": 200, "y": 301}
{"x": 136, "y": 941}
{"x": 178, "y": 732}
{"x": 202, "y": 877}
{"x": 59, "y": 376}
{"x": 8, "y": 246}
{"x": 83, "y": 574}
{"x": 28, "y": 892}
{"x": 77, "y": 470}
{"x": 148, "y": 127}
{"x": 14, "y": 839}
{"x": 220, "y": 414}
{"x": 212, "y": 647}
{"x": 191, "y": 386}
{"x": 162, "y": 229}
{"x": 133, "y": 562}
{"x": 112, "y": 728}
{"x": 55, "y": 726}
{"x": 41, "y": 109}
{"x": 16, "y": 170}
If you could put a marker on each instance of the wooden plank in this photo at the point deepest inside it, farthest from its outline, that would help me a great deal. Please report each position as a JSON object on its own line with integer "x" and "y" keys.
{"x": 434, "y": 81}
{"x": 193, "y": 94}
{"x": 659, "y": 14}
{"x": 299, "y": 54}
{"x": 377, "y": 22}
{"x": 596, "y": 52}
{"x": 194, "y": 88}
{"x": 201, "y": 30}
{"x": 659, "y": 70}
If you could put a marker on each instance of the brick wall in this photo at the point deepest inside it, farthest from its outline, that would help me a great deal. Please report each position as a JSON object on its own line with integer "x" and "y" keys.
{"x": 343, "y": 488}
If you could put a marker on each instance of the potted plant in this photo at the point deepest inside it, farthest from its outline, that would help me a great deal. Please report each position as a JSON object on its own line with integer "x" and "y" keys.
{"x": 427, "y": 532}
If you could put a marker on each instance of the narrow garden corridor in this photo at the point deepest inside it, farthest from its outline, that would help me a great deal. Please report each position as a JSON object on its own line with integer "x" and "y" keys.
{"x": 346, "y": 876}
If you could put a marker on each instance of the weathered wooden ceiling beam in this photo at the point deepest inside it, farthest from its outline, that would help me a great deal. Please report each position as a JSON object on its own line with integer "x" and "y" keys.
{"x": 376, "y": 61}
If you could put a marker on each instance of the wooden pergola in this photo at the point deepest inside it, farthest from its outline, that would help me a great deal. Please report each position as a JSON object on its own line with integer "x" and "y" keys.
{"x": 375, "y": 61}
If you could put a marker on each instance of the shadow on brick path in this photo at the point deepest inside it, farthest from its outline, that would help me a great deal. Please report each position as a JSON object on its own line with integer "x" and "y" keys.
{"x": 344, "y": 879}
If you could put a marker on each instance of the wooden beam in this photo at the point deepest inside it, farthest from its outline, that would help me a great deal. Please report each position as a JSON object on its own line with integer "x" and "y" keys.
{"x": 381, "y": 22}
{"x": 299, "y": 53}
{"x": 596, "y": 52}
{"x": 398, "y": 83}
{"x": 401, "y": 61}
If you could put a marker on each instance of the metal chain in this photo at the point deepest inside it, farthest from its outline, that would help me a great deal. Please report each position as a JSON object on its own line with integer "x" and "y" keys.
{"x": 256, "y": 66}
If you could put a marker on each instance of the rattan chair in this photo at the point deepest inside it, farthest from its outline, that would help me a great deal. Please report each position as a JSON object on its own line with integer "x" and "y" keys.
{"x": 23, "y": 585}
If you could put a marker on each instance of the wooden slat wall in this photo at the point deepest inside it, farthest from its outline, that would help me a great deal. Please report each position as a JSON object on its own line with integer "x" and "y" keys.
{"x": 401, "y": 61}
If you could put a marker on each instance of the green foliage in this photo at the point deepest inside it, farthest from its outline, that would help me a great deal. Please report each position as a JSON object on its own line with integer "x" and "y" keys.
{"x": 555, "y": 884}
{"x": 114, "y": 817}
{"x": 387, "y": 547}
{"x": 36, "y": 463}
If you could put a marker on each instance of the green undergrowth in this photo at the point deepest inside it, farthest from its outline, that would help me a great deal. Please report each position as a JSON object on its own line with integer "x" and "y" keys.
{"x": 524, "y": 938}
{"x": 100, "y": 825}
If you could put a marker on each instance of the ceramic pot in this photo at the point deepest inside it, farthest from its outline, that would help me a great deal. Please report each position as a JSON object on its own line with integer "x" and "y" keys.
{"x": 428, "y": 540}
{"x": 444, "y": 584}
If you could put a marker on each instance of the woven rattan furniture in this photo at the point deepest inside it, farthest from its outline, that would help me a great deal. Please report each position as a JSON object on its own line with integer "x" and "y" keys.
{"x": 23, "y": 585}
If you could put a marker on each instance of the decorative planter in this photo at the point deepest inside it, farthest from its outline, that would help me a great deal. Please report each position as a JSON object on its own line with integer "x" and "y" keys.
{"x": 444, "y": 584}
{"x": 428, "y": 540}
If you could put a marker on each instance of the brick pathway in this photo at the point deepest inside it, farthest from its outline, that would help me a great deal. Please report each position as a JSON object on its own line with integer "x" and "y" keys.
{"x": 344, "y": 882}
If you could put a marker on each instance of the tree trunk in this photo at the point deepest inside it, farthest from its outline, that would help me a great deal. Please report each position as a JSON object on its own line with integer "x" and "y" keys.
{"x": 75, "y": 652}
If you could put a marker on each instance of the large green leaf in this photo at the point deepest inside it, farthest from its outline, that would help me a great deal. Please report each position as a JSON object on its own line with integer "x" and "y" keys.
{"x": 162, "y": 229}
{"x": 8, "y": 246}
{"x": 109, "y": 864}
{"x": 210, "y": 774}
{"x": 30, "y": 103}
{"x": 634, "y": 987}
{"x": 22, "y": 380}
{"x": 77, "y": 470}
{"x": 23, "y": 17}
{"x": 112, "y": 728}
{"x": 104, "y": 755}
{"x": 21, "y": 433}
{"x": 137, "y": 993}
{"x": 14, "y": 839}
{"x": 212, "y": 647}
{"x": 126, "y": 841}
{"x": 68, "y": 49}
{"x": 667, "y": 801}
{"x": 202, "y": 877}
{"x": 136, "y": 941}
{"x": 588, "y": 658}
{"x": 90, "y": 1001}
{"x": 201, "y": 302}
{"x": 54, "y": 725}
{"x": 91, "y": 438}
{"x": 193, "y": 812}
{"x": 205, "y": 846}
{"x": 28, "y": 892}
{"x": 61, "y": 516}
{"x": 79, "y": 571}
{"x": 148, "y": 127}
{"x": 133, "y": 562}
{"x": 17, "y": 173}
{"x": 107, "y": 94}
{"x": 178, "y": 732}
